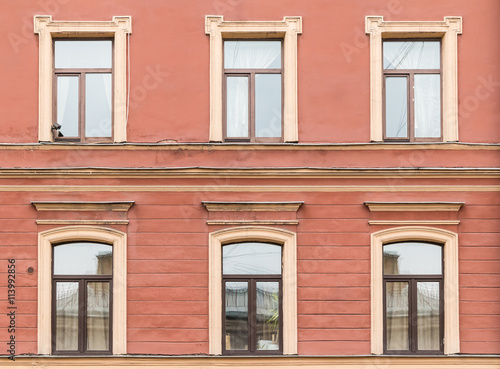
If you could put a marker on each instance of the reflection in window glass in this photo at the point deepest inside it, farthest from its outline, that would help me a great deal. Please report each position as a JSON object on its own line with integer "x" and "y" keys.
{"x": 236, "y": 311}
{"x": 67, "y": 312}
{"x": 98, "y": 295}
{"x": 68, "y": 105}
{"x": 237, "y": 106}
{"x": 412, "y": 54}
{"x": 397, "y": 312}
{"x": 396, "y": 107}
{"x": 82, "y": 54}
{"x": 83, "y": 258}
{"x": 251, "y": 258}
{"x": 428, "y": 315}
{"x": 268, "y": 316}
{"x": 252, "y": 54}
{"x": 427, "y": 105}
{"x": 412, "y": 258}
{"x": 268, "y": 105}
{"x": 98, "y": 105}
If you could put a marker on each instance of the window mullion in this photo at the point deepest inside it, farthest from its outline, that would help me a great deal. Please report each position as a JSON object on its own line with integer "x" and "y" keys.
{"x": 81, "y": 124}
{"x": 411, "y": 106}
{"x": 251, "y": 102}
{"x": 413, "y": 316}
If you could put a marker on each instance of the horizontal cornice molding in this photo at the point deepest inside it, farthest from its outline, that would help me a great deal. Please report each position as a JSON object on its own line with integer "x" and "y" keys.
{"x": 264, "y": 188}
{"x": 354, "y": 362}
{"x": 413, "y": 206}
{"x": 262, "y": 172}
{"x": 82, "y": 205}
{"x": 252, "y": 206}
{"x": 174, "y": 146}
{"x": 80, "y": 222}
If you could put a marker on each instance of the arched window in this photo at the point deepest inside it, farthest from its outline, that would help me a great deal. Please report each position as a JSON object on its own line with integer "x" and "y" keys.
{"x": 252, "y": 301}
{"x": 413, "y": 297}
{"x": 280, "y": 266}
{"x": 82, "y": 298}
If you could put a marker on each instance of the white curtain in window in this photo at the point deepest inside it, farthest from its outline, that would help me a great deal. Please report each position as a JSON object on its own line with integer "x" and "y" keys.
{"x": 427, "y": 105}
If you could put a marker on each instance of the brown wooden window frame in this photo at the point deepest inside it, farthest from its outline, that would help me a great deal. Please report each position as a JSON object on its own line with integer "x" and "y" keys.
{"x": 81, "y": 73}
{"x": 82, "y": 281}
{"x": 252, "y": 280}
{"x": 250, "y": 74}
{"x": 412, "y": 280}
{"x": 410, "y": 76}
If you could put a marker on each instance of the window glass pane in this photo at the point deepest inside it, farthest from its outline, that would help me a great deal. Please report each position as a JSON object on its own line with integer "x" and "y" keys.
{"x": 396, "y": 107}
{"x": 67, "y": 316}
{"x": 83, "y": 258}
{"x": 268, "y": 105}
{"x": 98, "y": 105}
{"x": 83, "y": 54}
{"x": 427, "y": 105}
{"x": 252, "y": 54}
{"x": 412, "y": 258}
{"x": 251, "y": 258}
{"x": 67, "y": 105}
{"x": 98, "y": 316}
{"x": 412, "y": 54}
{"x": 428, "y": 315}
{"x": 237, "y": 106}
{"x": 396, "y": 302}
{"x": 268, "y": 318}
{"x": 236, "y": 307}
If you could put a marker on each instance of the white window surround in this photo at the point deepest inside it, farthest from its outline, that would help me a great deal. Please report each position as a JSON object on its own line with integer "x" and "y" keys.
{"x": 47, "y": 29}
{"x": 118, "y": 240}
{"x": 449, "y": 240}
{"x": 288, "y": 241}
{"x": 287, "y": 29}
{"x": 447, "y": 31}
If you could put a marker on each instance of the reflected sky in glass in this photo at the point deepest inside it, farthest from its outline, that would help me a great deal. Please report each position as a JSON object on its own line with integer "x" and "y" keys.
{"x": 252, "y": 54}
{"x": 251, "y": 258}
{"x": 98, "y": 105}
{"x": 396, "y": 107}
{"x": 67, "y": 105}
{"x": 83, "y": 54}
{"x": 82, "y": 258}
{"x": 412, "y": 54}
{"x": 427, "y": 105}
{"x": 412, "y": 258}
{"x": 268, "y": 105}
{"x": 237, "y": 106}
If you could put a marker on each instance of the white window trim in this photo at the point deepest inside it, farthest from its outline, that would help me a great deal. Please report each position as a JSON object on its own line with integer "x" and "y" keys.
{"x": 47, "y": 29}
{"x": 447, "y": 30}
{"x": 449, "y": 240}
{"x": 288, "y": 29}
{"x": 288, "y": 241}
{"x": 46, "y": 240}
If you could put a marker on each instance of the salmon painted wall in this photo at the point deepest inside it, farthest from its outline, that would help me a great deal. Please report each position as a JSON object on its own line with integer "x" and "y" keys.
{"x": 168, "y": 233}
{"x": 168, "y": 265}
{"x": 169, "y": 43}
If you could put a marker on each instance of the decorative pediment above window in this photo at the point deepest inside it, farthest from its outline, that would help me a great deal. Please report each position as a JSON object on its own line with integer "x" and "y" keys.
{"x": 411, "y": 213}
{"x": 242, "y": 213}
{"x": 82, "y": 212}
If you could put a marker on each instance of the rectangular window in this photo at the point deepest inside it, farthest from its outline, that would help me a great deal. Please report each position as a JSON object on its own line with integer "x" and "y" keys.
{"x": 83, "y": 90}
{"x": 412, "y": 90}
{"x": 253, "y": 91}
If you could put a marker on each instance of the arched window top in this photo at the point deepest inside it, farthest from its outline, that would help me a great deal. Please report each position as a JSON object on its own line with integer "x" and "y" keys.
{"x": 412, "y": 258}
{"x": 251, "y": 258}
{"x": 83, "y": 258}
